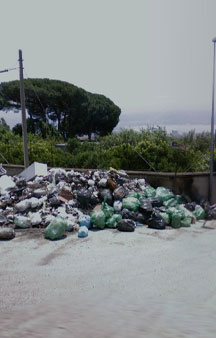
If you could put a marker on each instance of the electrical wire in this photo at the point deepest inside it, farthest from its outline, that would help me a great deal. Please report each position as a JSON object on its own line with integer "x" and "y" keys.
{"x": 7, "y": 70}
{"x": 35, "y": 92}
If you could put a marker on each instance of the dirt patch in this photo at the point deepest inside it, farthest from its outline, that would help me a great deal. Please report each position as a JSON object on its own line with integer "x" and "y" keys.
{"x": 60, "y": 250}
{"x": 32, "y": 233}
{"x": 163, "y": 234}
{"x": 49, "y": 258}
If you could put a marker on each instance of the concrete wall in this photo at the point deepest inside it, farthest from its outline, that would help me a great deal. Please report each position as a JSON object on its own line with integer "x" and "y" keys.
{"x": 13, "y": 169}
{"x": 192, "y": 185}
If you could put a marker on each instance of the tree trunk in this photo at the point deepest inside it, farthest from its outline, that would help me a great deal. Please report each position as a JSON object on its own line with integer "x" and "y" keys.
{"x": 30, "y": 115}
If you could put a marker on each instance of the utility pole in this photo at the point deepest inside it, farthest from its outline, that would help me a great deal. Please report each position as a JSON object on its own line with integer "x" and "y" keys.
{"x": 212, "y": 132}
{"x": 22, "y": 99}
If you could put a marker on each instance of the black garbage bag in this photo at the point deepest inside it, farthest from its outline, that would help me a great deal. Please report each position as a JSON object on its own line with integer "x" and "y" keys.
{"x": 106, "y": 193}
{"x": 134, "y": 215}
{"x": 54, "y": 201}
{"x": 60, "y": 177}
{"x": 160, "y": 209}
{"x": 6, "y": 233}
{"x": 21, "y": 183}
{"x": 69, "y": 178}
{"x": 17, "y": 192}
{"x": 94, "y": 200}
{"x": 76, "y": 181}
{"x": 155, "y": 202}
{"x": 119, "y": 193}
{"x": 146, "y": 206}
{"x": 84, "y": 198}
{"x": 121, "y": 180}
{"x": 125, "y": 213}
{"x": 190, "y": 206}
{"x": 126, "y": 225}
{"x": 205, "y": 205}
{"x": 156, "y": 222}
{"x": 211, "y": 213}
{"x": 141, "y": 218}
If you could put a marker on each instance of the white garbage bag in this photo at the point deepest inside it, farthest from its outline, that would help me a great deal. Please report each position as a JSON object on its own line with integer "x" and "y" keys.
{"x": 23, "y": 205}
{"x": 35, "y": 218}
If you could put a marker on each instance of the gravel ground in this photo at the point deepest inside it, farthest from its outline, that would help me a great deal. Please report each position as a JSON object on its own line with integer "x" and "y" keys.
{"x": 144, "y": 284}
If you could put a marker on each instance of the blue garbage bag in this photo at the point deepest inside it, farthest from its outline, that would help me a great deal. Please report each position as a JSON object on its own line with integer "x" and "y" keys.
{"x": 83, "y": 232}
{"x": 85, "y": 221}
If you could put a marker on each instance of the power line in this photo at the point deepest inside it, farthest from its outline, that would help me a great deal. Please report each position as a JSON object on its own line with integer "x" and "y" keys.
{"x": 144, "y": 160}
{"x": 7, "y": 70}
{"x": 35, "y": 92}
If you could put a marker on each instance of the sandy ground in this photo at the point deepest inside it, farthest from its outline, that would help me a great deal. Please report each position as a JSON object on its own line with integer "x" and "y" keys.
{"x": 144, "y": 284}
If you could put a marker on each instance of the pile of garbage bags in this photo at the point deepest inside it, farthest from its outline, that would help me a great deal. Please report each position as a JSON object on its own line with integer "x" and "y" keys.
{"x": 71, "y": 200}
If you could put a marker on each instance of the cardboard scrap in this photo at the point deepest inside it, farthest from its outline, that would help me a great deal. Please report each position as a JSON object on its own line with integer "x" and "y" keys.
{"x": 65, "y": 196}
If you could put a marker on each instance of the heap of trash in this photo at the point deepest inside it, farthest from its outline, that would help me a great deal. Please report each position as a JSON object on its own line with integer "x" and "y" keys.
{"x": 61, "y": 201}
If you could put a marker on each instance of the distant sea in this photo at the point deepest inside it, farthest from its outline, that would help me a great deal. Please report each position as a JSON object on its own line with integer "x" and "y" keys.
{"x": 182, "y": 122}
{"x": 180, "y": 128}
{"x": 12, "y": 119}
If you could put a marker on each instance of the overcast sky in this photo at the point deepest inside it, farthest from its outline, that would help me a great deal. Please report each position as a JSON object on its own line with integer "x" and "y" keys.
{"x": 153, "y": 58}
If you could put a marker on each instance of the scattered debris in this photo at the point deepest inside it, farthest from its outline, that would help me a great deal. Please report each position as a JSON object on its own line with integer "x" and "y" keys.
{"x": 65, "y": 196}
{"x": 35, "y": 169}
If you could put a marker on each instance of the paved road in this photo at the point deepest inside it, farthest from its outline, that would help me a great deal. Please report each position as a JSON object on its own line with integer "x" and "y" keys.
{"x": 144, "y": 284}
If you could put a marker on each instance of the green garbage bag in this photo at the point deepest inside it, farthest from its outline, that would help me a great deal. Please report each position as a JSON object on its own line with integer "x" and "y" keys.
{"x": 149, "y": 191}
{"x": 186, "y": 222}
{"x": 199, "y": 212}
{"x": 172, "y": 202}
{"x": 186, "y": 212}
{"x": 137, "y": 195}
{"x": 98, "y": 219}
{"x": 176, "y": 216}
{"x": 113, "y": 221}
{"x": 131, "y": 203}
{"x": 56, "y": 229}
{"x": 179, "y": 199}
{"x": 165, "y": 216}
{"x": 176, "y": 220}
{"x": 133, "y": 194}
{"x": 163, "y": 194}
{"x": 107, "y": 209}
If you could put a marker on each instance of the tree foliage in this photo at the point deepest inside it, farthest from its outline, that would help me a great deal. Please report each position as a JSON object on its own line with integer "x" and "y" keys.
{"x": 130, "y": 150}
{"x": 72, "y": 110}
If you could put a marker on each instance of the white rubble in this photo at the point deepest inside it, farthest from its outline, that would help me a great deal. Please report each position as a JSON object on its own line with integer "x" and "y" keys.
{"x": 6, "y": 183}
{"x": 35, "y": 169}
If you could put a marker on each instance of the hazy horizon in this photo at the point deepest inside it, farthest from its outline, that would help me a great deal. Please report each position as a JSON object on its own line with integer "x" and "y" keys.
{"x": 139, "y": 121}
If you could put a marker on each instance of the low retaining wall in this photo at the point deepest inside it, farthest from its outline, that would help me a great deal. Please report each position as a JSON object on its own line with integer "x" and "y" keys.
{"x": 13, "y": 169}
{"x": 192, "y": 185}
